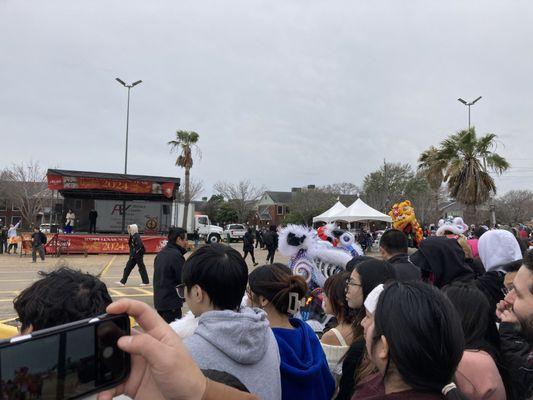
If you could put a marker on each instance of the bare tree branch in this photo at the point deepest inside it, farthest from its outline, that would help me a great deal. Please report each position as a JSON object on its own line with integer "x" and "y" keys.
{"x": 195, "y": 190}
{"x": 241, "y": 196}
{"x": 25, "y": 185}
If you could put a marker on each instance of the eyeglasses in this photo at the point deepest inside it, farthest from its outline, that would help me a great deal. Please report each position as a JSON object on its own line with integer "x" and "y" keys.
{"x": 507, "y": 290}
{"x": 181, "y": 290}
{"x": 349, "y": 282}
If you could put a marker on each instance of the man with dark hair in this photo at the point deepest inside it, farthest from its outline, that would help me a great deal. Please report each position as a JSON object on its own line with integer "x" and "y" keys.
{"x": 168, "y": 266}
{"x": 38, "y": 240}
{"x": 393, "y": 247}
{"x": 61, "y": 296}
{"x": 516, "y": 330}
{"x": 230, "y": 338}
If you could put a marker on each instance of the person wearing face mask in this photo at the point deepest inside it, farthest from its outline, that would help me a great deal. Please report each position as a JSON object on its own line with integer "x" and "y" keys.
{"x": 414, "y": 338}
{"x": 304, "y": 369}
{"x": 364, "y": 277}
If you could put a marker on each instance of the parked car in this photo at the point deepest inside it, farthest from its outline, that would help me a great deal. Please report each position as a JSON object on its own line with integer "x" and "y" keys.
{"x": 45, "y": 228}
{"x": 234, "y": 232}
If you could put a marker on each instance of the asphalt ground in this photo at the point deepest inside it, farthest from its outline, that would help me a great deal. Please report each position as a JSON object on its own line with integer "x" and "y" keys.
{"x": 17, "y": 273}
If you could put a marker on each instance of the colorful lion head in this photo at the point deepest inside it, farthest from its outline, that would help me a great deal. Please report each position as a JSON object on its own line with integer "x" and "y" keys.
{"x": 402, "y": 215}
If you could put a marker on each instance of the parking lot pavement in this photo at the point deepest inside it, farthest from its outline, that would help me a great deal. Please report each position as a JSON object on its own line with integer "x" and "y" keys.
{"x": 17, "y": 273}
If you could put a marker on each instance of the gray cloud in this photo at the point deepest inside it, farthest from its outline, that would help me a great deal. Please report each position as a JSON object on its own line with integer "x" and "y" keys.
{"x": 285, "y": 93}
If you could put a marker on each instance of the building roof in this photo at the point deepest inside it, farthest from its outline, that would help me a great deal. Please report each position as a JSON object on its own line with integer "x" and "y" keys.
{"x": 280, "y": 197}
{"x": 107, "y": 175}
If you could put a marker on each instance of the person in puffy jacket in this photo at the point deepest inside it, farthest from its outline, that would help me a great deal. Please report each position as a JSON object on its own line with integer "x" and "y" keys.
{"x": 136, "y": 257}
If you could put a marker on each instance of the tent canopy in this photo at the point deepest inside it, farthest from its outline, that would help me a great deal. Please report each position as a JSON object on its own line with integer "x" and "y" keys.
{"x": 360, "y": 211}
{"x": 326, "y": 215}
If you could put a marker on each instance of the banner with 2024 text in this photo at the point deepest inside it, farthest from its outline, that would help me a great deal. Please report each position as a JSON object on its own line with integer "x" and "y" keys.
{"x": 101, "y": 244}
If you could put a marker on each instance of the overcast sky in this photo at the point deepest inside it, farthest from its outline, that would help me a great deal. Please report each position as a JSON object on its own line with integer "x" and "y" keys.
{"x": 285, "y": 93}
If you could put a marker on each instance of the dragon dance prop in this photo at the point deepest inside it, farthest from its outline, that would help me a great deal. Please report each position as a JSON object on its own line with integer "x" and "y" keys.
{"x": 404, "y": 219}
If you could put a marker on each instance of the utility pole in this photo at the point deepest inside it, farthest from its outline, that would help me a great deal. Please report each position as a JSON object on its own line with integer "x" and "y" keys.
{"x": 126, "y": 152}
{"x": 469, "y": 104}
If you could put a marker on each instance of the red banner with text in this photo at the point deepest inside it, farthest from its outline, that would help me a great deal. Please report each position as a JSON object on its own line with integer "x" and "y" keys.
{"x": 58, "y": 182}
{"x": 100, "y": 244}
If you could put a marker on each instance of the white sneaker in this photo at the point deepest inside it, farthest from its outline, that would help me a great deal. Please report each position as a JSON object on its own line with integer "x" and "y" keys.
{"x": 144, "y": 284}
{"x": 120, "y": 283}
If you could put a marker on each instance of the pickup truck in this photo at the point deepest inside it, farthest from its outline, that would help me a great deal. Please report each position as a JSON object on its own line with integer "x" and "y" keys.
{"x": 234, "y": 232}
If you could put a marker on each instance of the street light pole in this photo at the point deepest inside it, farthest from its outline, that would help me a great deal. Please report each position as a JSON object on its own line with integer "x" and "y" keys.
{"x": 126, "y": 151}
{"x": 469, "y": 104}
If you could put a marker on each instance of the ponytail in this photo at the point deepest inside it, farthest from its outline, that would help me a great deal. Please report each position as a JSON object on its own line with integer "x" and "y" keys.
{"x": 277, "y": 284}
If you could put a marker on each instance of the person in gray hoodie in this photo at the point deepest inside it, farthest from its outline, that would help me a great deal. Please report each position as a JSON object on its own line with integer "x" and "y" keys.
{"x": 229, "y": 338}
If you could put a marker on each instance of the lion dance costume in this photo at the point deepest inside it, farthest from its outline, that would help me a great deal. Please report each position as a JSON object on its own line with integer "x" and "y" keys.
{"x": 404, "y": 219}
{"x": 316, "y": 255}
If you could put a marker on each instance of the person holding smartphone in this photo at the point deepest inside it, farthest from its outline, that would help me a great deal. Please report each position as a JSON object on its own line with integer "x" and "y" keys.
{"x": 161, "y": 366}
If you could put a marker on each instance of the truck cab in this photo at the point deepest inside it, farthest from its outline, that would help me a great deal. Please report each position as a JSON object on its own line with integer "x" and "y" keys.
{"x": 211, "y": 233}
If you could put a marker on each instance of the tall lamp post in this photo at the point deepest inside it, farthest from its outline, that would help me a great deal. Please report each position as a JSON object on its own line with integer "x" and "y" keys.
{"x": 126, "y": 152}
{"x": 468, "y": 104}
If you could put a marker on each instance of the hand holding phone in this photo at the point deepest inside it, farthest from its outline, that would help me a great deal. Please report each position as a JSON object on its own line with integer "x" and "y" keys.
{"x": 161, "y": 366}
{"x": 65, "y": 362}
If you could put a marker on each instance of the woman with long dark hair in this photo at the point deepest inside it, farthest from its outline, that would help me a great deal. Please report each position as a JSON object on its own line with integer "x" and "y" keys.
{"x": 477, "y": 375}
{"x": 304, "y": 370}
{"x": 336, "y": 341}
{"x": 364, "y": 277}
{"x": 415, "y": 340}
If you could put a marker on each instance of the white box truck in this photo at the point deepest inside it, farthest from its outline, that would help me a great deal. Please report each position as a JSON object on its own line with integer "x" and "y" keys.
{"x": 207, "y": 231}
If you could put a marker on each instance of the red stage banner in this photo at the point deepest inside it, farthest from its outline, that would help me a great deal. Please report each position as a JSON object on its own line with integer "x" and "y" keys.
{"x": 58, "y": 182}
{"x": 100, "y": 244}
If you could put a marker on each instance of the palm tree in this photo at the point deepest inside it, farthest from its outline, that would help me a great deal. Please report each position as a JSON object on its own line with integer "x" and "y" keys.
{"x": 432, "y": 167}
{"x": 184, "y": 143}
{"x": 468, "y": 160}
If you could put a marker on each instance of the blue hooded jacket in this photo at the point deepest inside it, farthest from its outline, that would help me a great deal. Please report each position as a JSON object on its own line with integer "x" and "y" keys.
{"x": 304, "y": 370}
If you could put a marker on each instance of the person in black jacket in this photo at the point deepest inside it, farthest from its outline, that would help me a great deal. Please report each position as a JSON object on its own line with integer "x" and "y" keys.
{"x": 248, "y": 245}
{"x": 136, "y": 257}
{"x": 38, "y": 240}
{"x": 93, "y": 215}
{"x": 3, "y": 239}
{"x": 393, "y": 248}
{"x": 168, "y": 265}
{"x": 516, "y": 331}
{"x": 258, "y": 238}
{"x": 270, "y": 239}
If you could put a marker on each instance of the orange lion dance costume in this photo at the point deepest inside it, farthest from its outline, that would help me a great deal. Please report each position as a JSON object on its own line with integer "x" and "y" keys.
{"x": 404, "y": 219}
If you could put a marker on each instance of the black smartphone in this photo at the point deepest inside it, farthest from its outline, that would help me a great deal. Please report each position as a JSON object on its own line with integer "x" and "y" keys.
{"x": 65, "y": 362}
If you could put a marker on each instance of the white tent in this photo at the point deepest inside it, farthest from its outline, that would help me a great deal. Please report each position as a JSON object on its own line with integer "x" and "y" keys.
{"x": 326, "y": 215}
{"x": 360, "y": 211}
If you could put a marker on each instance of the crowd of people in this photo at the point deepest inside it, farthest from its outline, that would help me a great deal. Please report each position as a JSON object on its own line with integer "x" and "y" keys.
{"x": 452, "y": 320}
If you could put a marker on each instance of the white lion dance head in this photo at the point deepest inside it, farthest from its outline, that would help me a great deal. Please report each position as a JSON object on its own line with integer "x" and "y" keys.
{"x": 313, "y": 258}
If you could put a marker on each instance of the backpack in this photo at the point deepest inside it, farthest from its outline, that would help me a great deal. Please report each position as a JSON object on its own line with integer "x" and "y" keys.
{"x": 44, "y": 239}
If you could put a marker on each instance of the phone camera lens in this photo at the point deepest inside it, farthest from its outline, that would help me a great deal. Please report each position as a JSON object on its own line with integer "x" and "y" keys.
{"x": 108, "y": 352}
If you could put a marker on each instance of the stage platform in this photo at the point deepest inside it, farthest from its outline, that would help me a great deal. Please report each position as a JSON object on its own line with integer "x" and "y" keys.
{"x": 99, "y": 244}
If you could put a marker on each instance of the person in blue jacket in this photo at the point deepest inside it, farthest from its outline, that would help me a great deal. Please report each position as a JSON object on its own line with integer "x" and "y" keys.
{"x": 304, "y": 369}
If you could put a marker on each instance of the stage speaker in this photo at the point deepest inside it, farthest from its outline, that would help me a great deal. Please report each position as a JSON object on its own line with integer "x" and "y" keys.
{"x": 54, "y": 228}
{"x": 166, "y": 209}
